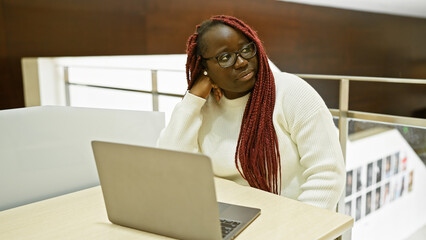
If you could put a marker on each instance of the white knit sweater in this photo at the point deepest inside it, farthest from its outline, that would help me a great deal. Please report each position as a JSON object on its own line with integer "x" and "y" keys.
{"x": 312, "y": 166}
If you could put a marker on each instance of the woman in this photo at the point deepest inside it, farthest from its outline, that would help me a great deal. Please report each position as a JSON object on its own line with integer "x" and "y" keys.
{"x": 271, "y": 131}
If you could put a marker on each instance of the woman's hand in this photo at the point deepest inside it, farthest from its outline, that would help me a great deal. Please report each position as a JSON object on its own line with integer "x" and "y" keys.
{"x": 203, "y": 86}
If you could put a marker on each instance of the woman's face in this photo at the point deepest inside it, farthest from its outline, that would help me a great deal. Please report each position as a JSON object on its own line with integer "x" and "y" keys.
{"x": 237, "y": 80}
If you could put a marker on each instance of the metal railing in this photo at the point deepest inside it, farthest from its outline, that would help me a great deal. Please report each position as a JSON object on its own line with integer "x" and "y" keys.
{"x": 344, "y": 82}
{"x": 344, "y": 113}
{"x": 154, "y": 83}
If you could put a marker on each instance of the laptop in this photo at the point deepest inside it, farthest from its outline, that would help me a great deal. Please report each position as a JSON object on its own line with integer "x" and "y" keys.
{"x": 165, "y": 192}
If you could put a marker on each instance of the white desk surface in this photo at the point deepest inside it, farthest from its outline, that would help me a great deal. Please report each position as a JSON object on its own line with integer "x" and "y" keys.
{"x": 82, "y": 215}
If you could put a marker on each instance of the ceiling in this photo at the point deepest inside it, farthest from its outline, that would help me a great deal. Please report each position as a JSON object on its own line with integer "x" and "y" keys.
{"x": 411, "y": 8}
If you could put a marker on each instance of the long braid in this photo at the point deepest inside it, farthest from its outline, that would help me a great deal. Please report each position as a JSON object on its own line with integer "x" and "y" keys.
{"x": 193, "y": 60}
{"x": 257, "y": 154}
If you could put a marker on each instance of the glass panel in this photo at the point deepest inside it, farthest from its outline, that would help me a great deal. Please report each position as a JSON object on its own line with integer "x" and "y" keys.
{"x": 415, "y": 136}
{"x": 336, "y": 121}
{"x": 172, "y": 82}
{"x": 82, "y": 96}
{"x": 119, "y": 78}
{"x": 166, "y": 104}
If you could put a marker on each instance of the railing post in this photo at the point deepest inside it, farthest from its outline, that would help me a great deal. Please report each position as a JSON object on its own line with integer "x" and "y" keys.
{"x": 343, "y": 114}
{"x": 67, "y": 86}
{"x": 154, "y": 90}
{"x": 343, "y": 137}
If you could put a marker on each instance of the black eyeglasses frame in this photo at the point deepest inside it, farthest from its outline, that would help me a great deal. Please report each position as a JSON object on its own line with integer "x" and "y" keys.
{"x": 237, "y": 53}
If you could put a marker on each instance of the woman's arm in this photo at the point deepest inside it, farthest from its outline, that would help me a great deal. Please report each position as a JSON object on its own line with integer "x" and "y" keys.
{"x": 182, "y": 131}
{"x": 310, "y": 126}
{"x": 321, "y": 156}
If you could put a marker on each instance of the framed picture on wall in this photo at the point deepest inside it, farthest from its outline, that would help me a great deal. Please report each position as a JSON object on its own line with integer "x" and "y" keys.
{"x": 379, "y": 171}
{"x": 369, "y": 174}
{"x": 349, "y": 179}
{"x": 368, "y": 203}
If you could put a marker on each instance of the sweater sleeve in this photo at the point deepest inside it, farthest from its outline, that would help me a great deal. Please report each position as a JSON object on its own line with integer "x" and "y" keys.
{"x": 182, "y": 131}
{"x": 321, "y": 156}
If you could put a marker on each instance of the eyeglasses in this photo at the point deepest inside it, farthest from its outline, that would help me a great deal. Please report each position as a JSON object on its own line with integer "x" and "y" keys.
{"x": 228, "y": 59}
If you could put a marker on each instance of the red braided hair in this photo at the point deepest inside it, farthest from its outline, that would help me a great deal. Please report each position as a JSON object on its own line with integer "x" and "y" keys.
{"x": 257, "y": 155}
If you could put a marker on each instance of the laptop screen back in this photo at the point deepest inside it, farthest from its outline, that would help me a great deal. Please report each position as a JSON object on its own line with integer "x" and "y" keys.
{"x": 160, "y": 191}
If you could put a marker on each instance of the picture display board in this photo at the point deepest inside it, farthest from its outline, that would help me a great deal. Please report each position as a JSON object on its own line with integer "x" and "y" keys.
{"x": 385, "y": 187}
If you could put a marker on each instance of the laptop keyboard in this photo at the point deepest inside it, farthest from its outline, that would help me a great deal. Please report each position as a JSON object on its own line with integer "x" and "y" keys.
{"x": 227, "y": 226}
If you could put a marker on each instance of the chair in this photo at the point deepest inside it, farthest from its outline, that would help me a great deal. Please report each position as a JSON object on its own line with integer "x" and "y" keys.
{"x": 46, "y": 151}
